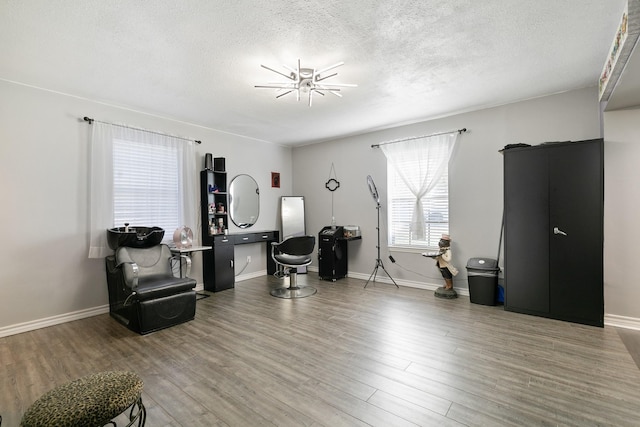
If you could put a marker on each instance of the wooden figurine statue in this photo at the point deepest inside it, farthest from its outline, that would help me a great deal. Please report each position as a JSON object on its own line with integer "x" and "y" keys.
{"x": 443, "y": 262}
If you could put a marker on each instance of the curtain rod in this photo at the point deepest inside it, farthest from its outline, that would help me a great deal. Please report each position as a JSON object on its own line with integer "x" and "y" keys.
{"x": 90, "y": 120}
{"x": 418, "y": 137}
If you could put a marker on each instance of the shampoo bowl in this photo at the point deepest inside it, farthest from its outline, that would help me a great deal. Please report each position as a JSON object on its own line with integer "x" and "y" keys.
{"x": 135, "y": 237}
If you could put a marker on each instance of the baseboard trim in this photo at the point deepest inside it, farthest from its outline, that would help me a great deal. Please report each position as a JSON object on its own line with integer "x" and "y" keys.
{"x": 52, "y": 321}
{"x": 609, "y": 319}
{"x": 622, "y": 321}
{"x": 32, "y": 325}
{"x": 408, "y": 283}
{"x": 253, "y": 275}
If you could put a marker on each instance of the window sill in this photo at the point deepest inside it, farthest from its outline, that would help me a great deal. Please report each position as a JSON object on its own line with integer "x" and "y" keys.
{"x": 412, "y": 250}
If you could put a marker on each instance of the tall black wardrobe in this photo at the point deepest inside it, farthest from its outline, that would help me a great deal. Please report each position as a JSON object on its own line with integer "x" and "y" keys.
{"x": 554, "y": 202}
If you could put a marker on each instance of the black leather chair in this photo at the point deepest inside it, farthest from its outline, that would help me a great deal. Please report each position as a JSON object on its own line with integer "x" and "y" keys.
{"x": 292, "y": 253}
{"x": 144, "y": 295}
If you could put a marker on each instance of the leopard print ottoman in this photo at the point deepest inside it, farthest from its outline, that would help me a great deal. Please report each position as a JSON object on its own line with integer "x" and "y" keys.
{"x": 89, "y": 401}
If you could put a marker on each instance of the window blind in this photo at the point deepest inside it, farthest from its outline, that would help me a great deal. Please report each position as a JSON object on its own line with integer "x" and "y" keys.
{"x": 146, "y": 185}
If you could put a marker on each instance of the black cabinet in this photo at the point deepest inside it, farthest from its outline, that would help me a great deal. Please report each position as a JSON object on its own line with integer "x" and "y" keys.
{"x": 333, "y": 257}
{"x": 553, "y": 196}
{"x": 332, "y": 253}
{"x": 218, "y": 265}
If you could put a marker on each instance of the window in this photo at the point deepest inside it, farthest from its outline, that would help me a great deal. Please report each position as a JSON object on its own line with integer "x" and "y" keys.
{"x": 139, "y": 177}
{"x": 418, "y": 190}
{"x": 401, "y": 205}
{"x": 146, "y": 185}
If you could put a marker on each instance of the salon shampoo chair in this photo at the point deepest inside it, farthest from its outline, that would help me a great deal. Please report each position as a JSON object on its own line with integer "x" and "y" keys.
{"x": 144, "y": 295}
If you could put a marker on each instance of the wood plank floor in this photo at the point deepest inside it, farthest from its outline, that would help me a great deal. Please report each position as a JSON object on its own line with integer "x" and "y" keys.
{"x": 347, "y": 356}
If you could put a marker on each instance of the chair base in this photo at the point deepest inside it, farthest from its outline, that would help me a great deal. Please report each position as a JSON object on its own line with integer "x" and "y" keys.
{"x": 293, "y": 292}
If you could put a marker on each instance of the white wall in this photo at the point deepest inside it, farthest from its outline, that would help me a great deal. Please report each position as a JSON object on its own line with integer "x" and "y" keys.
{"x": 475, "y": 179}
{"x": 622, "y": 214}
{"x": 45, "y": 275}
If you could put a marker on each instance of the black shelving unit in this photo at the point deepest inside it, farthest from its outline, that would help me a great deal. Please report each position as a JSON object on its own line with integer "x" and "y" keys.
{"x": 214, "y": 204}
{"x": 217, "y": 266}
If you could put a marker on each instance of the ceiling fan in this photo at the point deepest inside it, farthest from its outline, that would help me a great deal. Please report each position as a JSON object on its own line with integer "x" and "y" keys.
{"x": 306, "y": 80}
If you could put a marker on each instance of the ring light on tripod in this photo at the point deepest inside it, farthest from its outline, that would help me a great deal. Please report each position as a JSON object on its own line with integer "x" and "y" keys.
{"x": 376, "y": 198}
{"x": 373, "y": 190}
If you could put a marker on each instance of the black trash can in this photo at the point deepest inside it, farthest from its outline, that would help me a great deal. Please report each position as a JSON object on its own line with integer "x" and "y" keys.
{"x": 482, "y": 274}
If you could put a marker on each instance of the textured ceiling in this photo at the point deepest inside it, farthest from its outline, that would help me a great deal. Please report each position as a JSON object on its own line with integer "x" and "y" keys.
{"x": 198, "y": 60}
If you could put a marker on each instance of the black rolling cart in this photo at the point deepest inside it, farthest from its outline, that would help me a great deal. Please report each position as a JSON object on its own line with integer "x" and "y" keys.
{"x": 332, "y": 253}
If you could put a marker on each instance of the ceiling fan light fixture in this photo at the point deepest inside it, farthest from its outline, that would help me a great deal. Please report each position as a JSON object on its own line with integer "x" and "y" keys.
{"x": 305, "y": 80}
{"x": 305, "y": 73}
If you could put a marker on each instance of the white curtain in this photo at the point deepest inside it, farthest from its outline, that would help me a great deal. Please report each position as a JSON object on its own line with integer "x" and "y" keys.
{"x": 101, "y": 190}
{"x": 430, "y": 157}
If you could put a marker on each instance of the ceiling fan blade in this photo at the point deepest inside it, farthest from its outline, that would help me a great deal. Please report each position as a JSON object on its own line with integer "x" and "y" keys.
{"x": 319, "y": 79}
{"x": 330, "y": 67}
{"x": 283, "y": 94}
{"x": 274, "y": 86}
{"x": 334, "y": 91}
{"x": 324, "y": 87}
{"x": 277, "y": 72}
{"x": 287, "y": 84}
{"x": 290, "y": 69}
{"x": 339, "y": 84}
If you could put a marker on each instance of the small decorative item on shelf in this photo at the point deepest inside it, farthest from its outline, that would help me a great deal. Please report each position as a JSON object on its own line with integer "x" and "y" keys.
{"x": 212, "y": 208}
{"x": 220, "y": 207}
{"x": 213, "y": 188}
{"x": 351, "y": 231}
{"x": 218, "y": 164}
{"x": 220, "y": 225}
{"x": 212, "y": 228}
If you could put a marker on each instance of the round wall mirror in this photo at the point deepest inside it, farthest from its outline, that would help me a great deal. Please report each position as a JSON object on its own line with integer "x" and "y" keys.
{"x": 244, "y": 201}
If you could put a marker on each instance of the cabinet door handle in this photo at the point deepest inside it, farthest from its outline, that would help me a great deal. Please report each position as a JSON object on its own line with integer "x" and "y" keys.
{"x": 231, "y": 262}
{"x": 556, "y": 230}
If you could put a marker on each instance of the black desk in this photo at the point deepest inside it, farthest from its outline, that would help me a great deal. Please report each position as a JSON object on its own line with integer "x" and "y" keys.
{"x": 218, "y": 272}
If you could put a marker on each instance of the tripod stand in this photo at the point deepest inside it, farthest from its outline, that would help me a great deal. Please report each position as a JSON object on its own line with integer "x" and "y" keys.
{"x": 379, "y": 263}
